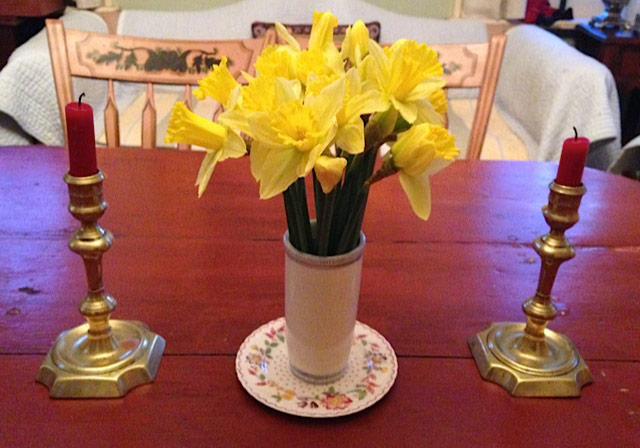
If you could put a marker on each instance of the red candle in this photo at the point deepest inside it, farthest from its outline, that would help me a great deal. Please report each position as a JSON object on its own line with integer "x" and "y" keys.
{"x": 81, "y": 138}
{"x": 572, "y": 160}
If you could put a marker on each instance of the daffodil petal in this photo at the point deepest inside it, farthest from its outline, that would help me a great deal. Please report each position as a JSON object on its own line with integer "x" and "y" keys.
{"x": 284, "y": 33}
{"x": 409, "y": 111}
{"x": 418, "y": 192}
{"x": 285, "y": 91}
{"x": 366, "y": 102}
{"x": 187, "y": 127}
{"x": 257, "y": 156}
{"x": 428, "y": 114}
{"x": 437, "y": 165}
{"x": 233, "y": 147}
{"x": 327, "y": 104}
{"x": 425, "y": 88}
{"x": 350, "y": 137}
{"x": 206, "y": 170}
{"x": 379, "y": 59}
{"x": 278, "y": 171}
{"x": 235, "y": 120}
{"x": 261, "y": 129}
{"x": 309, "y": 158}
{"x": 329, "y": 171}
{"x": 322, "y": 30}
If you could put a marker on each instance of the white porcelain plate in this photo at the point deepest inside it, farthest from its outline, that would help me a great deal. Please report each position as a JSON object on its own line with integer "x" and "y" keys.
{"x": 262, "y": 366}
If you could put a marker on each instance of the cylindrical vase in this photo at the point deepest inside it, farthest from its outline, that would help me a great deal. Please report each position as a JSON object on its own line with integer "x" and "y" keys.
{"x": 321, "y": 302}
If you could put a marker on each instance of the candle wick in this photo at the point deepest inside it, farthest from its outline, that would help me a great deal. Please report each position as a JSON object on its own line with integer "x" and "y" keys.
{"x": 82, "y": 94}
{"x": 574, "y": 130}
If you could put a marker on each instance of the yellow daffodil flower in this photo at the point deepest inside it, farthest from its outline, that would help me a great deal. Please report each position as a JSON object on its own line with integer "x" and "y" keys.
{"x": 356, "y": 43}
{"x": 417, "y": 154}
{"x": 356, "y": 102}
{"x": 406, "y": 74}
{"x": 218, "y": 84}
{"x": 289, "y": 140}
{"x": 276, "y": 62}
{"x": 329, "y": 171}
{"x": 220, "y": 142}
{"x": 321, "y": 37}
{"x": 321, "y": 62}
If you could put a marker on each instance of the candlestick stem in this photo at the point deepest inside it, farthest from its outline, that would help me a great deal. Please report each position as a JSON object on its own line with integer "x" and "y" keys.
{"x": 528, "y": 359}
{"x": 103, "y": 358}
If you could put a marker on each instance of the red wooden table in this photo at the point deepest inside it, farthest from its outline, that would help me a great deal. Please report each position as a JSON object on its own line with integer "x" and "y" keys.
{"x": 205, "y": 273}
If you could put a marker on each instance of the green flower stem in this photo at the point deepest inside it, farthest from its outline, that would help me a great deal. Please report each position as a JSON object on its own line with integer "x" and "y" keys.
{"x": 318, "y": 196}
{"x": 324, "y": 221}
{"x": 301, "y": 193}
{"x": 294, "y": 239}
{"x": 354, "y": 213}
{"x": 351, "y": 232}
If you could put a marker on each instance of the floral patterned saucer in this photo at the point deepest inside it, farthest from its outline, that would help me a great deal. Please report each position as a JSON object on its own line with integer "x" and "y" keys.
{"x": 262, "y": 367}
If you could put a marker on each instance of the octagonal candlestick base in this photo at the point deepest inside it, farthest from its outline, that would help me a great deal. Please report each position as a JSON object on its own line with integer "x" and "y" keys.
{"x": 530, "y": 360}
{"x": 78, "y": 367}
{"x": 103, "y": 357}
{"x": 560, "y": 372}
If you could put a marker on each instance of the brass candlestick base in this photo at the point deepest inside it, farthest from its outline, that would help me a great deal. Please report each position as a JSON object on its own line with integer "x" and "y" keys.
{"x": 101, "y": 358}
{"x": 530, "y": 360}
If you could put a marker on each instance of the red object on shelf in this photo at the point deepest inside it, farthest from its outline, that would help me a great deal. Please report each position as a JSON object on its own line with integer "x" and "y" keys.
{"x": 82, "y": 141}
{"x": 572, "y": 160}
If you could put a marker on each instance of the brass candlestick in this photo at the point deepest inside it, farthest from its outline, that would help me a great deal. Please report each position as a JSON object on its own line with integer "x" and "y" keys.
{"x": 102, "y": 358}
{"x": 530, "y": 360}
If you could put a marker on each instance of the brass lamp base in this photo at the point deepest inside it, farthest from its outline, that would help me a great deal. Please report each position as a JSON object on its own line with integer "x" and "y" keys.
{"x": 550, "y": 367}
{"x": 80, "y": 366}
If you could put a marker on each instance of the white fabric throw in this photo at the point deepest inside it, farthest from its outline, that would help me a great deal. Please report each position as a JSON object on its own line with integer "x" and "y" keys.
{"x": 546, "y": 87}
{"x": 27, "y": 92}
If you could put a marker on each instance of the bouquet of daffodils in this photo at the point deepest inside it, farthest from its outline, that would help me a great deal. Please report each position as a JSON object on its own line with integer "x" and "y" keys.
{"x": 326, "y": 112}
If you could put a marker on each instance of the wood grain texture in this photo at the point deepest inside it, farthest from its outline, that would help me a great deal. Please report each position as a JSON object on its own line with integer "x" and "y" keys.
{"x": 197, "y": 401}
{"x": 205, "y": 273}
{"x": 151, "y": 193}
{"x": 410, "y": 293}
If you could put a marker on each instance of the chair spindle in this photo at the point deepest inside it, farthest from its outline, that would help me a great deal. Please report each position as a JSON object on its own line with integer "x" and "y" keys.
{"x": 187, "y": 102}
{"x": 149, "y": 120}
{"x": 111, "y": 118}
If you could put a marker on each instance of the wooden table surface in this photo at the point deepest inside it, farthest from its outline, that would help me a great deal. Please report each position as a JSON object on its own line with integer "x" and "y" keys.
{"x": 205, "y": 273}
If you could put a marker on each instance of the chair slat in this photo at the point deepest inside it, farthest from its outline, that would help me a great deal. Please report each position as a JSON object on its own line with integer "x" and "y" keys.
{"x": 486, "y": 96}
{"x": 60, "y": 66}
{"x": 111, "y": 118}
{"x": 149, "y": 120}
{"x": 160, "y": 61}
{"x": 187, "y": 102}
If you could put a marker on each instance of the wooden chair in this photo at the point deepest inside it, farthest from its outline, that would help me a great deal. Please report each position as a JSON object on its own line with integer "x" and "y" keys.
{"x": 473, "y": 66}
{"x": 140, "y": 60}
{"x": 467, "y": 66}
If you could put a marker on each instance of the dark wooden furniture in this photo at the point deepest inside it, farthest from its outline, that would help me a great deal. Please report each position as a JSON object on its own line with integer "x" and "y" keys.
{"x": 22, "y": 19}
{"x": 205, "y": 273}
{"x": 620, "y": 51}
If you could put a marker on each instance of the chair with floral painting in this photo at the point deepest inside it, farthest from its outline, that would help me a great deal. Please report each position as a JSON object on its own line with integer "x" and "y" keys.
{"x": 144, "y": 61}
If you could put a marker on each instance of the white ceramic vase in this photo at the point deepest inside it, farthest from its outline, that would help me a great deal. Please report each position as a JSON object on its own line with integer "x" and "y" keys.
{"x": 321, "y": 302}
